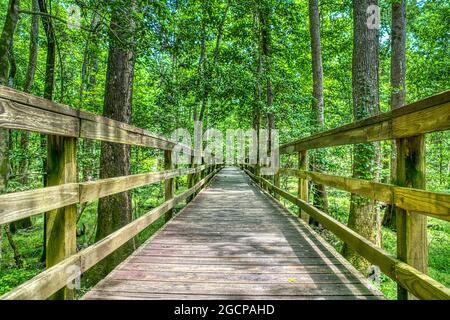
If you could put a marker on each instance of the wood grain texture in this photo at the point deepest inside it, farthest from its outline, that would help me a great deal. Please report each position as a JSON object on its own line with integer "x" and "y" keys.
{"x": 231, "y": 241}
{"x": 416, "y": 282}
{"x": 434, "y": 204}
{"x": 428, "y": 115}
{"x": 13, "y": 95}
{"x": 101, "y": 188}
{"x": 19, "y": 205}
{"x": 14, "y": 115}
{"x": 19, "y": 110}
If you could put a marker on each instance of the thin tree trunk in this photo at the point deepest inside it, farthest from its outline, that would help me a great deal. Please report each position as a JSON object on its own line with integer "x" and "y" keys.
{"x": 398, "y": 87}
{"x": 363, "y": 216}
{"x": 6, "y": 39}
{"x": 256, "y": 113}
{"x": 320, "y": 199}
{"x": 6, "y": 71}
{"x": 28, "y": 84}
{"x": 48, "y": 87}
{"x": 17, "y": 257}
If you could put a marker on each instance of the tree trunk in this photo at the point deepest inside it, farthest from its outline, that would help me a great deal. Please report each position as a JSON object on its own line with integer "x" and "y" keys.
{"x": 398, "y": 86}
{"x": 6, "y": 71}
{"x": 12, "y": 17}
{"x": 320, "y": 199}
{"x": 48, "y": 87}
{"x": 256, "y": 112}
{"x": 363, "y": 216}
{"x": 116, "y": 211}
{"x": 24, "y": 135}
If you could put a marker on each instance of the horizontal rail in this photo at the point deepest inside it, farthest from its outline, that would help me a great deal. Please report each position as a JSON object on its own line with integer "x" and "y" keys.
{"x": 416, "y": 282}
{"x": 19, "y": 205}
{"x": 428, "y": 115}
{"x": 428, "y": 203}
{"x": 24, "y": 111}
{"x": 53, "y": 279}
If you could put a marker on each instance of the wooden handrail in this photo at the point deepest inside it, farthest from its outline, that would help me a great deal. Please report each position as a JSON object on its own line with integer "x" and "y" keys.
{"x": 416, "y": 282}
{"x": 24, "y": 111}
{"x": 19, "y": 205}
{"x": 433, "y": 204}
{"x": 428, "y": 115}
{"x": 53, "y": 279}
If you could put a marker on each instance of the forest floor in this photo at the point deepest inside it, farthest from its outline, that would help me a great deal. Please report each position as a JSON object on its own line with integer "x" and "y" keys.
{"x": 30, "y": 241}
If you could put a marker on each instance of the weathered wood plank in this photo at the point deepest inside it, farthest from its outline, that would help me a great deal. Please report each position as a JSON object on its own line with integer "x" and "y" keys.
{"x": 244, "y": 278}
{"x": 19, "y": 205}
{"x": 262, "y": 289}
{"x": 93, "y": 190}
{"x": 13, "y": 95}
{"x": 429, "y": 203}
{"x": 107, "y": 295}
{"x": 428, "y": 115}
{"x": 18, "y": 116}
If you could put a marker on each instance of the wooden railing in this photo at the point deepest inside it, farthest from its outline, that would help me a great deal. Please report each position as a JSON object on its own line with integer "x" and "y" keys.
{"x": 64, "y": 125}
{"x": 407, "y": 125}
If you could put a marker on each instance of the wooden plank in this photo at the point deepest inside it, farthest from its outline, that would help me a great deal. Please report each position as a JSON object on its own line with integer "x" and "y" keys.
{"x": 429, "y": 203}
{"x": 93, "y": 190}
{"x": 244, "y": 278}
{"x": 23, "y": 98}
{"x": 262, "y": 289}
{"x": 51, "y": 280}
{"x": 18, "y": 116}
{"x": 19, "y": 205}
{"x": 121, "y": 295}
{"x": 416, "y": 282}
{"x": 428, "y": 115}
{"x": 104, "y": 129}
{"x": 432, "y": 119}
{"x": 60, "y": 224}
{"x": 233, "y": 269}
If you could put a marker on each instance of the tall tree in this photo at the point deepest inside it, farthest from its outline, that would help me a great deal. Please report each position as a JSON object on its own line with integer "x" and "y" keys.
{"x": 398, "y": 85}
{"x": 48, "y": 87}
{"x": 51, "y": 50}
{"x": 6, "y": 40}
{"x": 363, "y": 216}
{"x": 28, "y": 84}
{"x": 320, "y": 193}
{"x": 116, "y": 211}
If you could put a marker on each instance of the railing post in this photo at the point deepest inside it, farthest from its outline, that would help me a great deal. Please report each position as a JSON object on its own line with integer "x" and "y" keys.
{"x": 303, "y": 183}
{"x": 190, "y": 180}
{"x": 412, "y": 246}
{"x": 60, "y": 224}
{"x": 168, "y": 183}
{"x": 276, "y": 182}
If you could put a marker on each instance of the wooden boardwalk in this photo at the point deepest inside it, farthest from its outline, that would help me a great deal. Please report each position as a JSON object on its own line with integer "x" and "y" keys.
{"x": 234, "y": 242}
